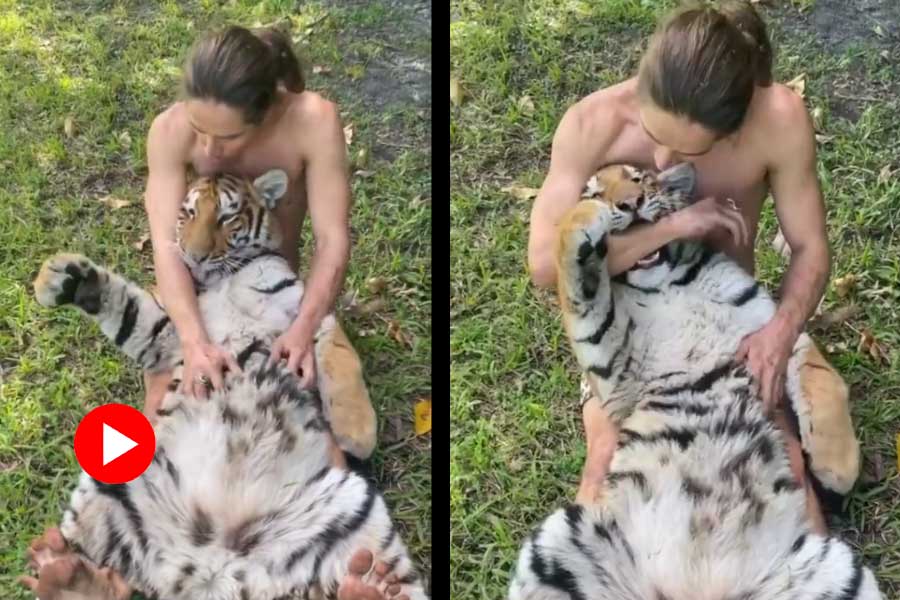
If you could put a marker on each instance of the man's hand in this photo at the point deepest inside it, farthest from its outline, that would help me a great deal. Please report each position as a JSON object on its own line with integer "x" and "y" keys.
{"x": 766, "y": 353}
{"x": 296, "y": 344}
{"x": 203, "y": 366}
{"x": 708, "y": 215}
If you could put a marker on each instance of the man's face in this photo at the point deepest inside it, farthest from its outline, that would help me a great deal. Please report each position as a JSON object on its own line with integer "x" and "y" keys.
{"x": 676, "y": 138}
{"x": 220, "y": 128}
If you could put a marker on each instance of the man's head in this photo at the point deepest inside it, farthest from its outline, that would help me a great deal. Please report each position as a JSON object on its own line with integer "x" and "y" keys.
{"x": 697, "y": 78}
{"x": 231, "y": 80}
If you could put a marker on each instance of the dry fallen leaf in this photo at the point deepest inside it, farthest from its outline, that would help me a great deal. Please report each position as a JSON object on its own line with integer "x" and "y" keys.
{"x": 829, "y": 319}
{"x": 456, "y": 93}
{"x": 397, "y": 333}
{"x": 869, "y": 345}
{"x": 69, "y": 127}
{"x": 364, "y": 174}
{"x": 319, "y": 69}
{"x": 817, "y": 114}
{"x": 371, "y": 307}
{"x": 879, "y": 31}
{"x": 798, "y": 84}
{"x": 422, "y": 411}
{"x": 115, "y": 203}
{"x": 526, "y": 105}
{"x": 844, "y": 285}
{"x": 376, "y": 285}
{"x": 521, "y": 192}
{"x": 348, "y": 134}
{"x": 125, "y": 140}
{"x": 824, "y": 139}
{"x": 394, "y": 429}
{"x": 349, "y": 300}
{"x": 885, "y": 174}
{"x": 781, "y": 246}
{"x": 362, "y": 158}
{"x": 885, "y": 55}
{"x": 141, "y": 243}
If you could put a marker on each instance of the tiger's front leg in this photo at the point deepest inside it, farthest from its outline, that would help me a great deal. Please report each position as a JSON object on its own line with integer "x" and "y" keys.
{"x": 597, "y": 329}
{"x": 127, "y": 314}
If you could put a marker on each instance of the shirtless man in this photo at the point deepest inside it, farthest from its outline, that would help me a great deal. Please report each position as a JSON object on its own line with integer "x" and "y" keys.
{"x": 704, "y": 94}
{"x": 246, "y": 111}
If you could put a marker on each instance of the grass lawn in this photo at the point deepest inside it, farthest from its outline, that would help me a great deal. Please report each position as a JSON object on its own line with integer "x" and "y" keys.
{"x": 80, "y": 82}
{"x": 516, "y": 438}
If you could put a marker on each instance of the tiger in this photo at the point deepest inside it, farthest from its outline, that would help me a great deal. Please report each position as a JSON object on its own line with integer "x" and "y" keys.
{"x": 700, "y": 502}
{"x": 244, "y": 497}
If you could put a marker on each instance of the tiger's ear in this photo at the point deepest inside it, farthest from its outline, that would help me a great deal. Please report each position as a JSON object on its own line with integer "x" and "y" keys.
{"x": 680, "y": 178}
{"x": 271, "y": 186}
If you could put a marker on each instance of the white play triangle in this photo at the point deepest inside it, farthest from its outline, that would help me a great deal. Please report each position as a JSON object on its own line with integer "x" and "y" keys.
{"x": 115, "y": 444}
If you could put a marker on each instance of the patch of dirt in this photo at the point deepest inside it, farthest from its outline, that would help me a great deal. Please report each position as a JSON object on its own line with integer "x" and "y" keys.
{"x": 837, "y": 26}
{"x": 399, "y": 77}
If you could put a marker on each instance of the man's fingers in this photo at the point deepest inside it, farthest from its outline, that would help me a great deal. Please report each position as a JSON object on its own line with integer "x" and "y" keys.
{"x": 308, "y": 376}
{"x": 232, "y": 363}
{"x": 293, "y": 363}
{"x": 275, "y": 356}
{"x": 218, "y": 383}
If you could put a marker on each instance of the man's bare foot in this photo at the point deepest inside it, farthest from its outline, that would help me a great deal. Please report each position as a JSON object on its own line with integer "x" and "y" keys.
{"x": 367, "y": 583}
{"x": 63, "y": 575}
{"x": 600, "y": 434}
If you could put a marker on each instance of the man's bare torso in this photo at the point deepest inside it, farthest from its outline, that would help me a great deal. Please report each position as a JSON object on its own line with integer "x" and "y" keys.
{"x": 279, "y": 148}
{"x": 735, "y": 168}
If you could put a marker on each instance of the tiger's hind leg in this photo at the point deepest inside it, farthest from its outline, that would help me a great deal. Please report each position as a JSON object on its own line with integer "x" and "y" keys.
{"x": 820, "y": 399}
{"x": 127, "y": 314}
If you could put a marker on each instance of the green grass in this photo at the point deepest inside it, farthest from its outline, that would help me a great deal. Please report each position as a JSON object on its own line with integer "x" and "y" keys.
{"x": 516, "y": 437}
{"x": 110, "y": 66}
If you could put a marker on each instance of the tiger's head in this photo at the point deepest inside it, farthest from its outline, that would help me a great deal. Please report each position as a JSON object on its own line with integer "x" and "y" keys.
{"x": 647, "y": 196}
{"x": 225, "y": 221}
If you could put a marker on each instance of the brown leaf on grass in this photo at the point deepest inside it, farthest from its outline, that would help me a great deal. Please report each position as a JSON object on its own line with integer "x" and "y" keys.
{"x": 115, "y": 203}
{"x": 824, "y": 139}
{"x": 869, "y": 345}
{"x": 69, "y": 127}
{"x": 456, "y": 92}
{"x": 885, "y": 174}
{"x": 321, "y": 70}
{"x": 125, "y": 140}
{"x": 396, "y": 332}
{"x": 831, "y": 318}
{"x": 349, "y": 300}
{"x": 376, "y": 285}
{"x": 798, "y": 85}
{"x": 872, "y": 469}
{"x": 521, "y": 192}
{"x": 844, "y": 285}
{"x": 372, "y": 307}
{"x": 526, "y": 105}
{"x": 141, "y": 243}
{"x": 879, "y": 30}
{"x": 348, "y": 133}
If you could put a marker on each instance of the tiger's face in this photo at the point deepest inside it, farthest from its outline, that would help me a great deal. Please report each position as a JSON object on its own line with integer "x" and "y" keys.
{"x": 645, "y": 195}
{"x": 226, "y": 220}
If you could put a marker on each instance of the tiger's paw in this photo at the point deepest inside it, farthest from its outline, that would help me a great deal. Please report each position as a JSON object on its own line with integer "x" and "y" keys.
{"x": 583, "y": 230}
{"x": 69, "y": 279}
{"x": 63, "y": 575}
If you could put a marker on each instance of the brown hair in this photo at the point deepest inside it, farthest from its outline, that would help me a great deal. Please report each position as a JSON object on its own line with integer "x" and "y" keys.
{"x": 703, "y": 64}
{"x": 242, "y": 68}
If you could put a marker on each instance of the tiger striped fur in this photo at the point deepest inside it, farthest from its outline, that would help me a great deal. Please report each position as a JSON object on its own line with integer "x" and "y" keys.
{"x": 242, "y": 500}
{"x": 700, "y": 502}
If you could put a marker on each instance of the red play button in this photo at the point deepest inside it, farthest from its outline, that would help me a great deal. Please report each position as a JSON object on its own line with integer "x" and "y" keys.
{"x": 114, "y": 443}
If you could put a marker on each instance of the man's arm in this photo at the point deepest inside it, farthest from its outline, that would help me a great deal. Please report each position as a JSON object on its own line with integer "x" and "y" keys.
{"x": 570, "y": 167}
{"x": 329, "y": 208}
{"x": 801, "y": 215}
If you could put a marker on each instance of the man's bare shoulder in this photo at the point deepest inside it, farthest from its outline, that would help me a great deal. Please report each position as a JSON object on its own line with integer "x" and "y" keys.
{"x": 591, "y": 126}
{"x": 171, "y": 129}
{"x": 782, "y": 118}
{"x": 312, "y": 113}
